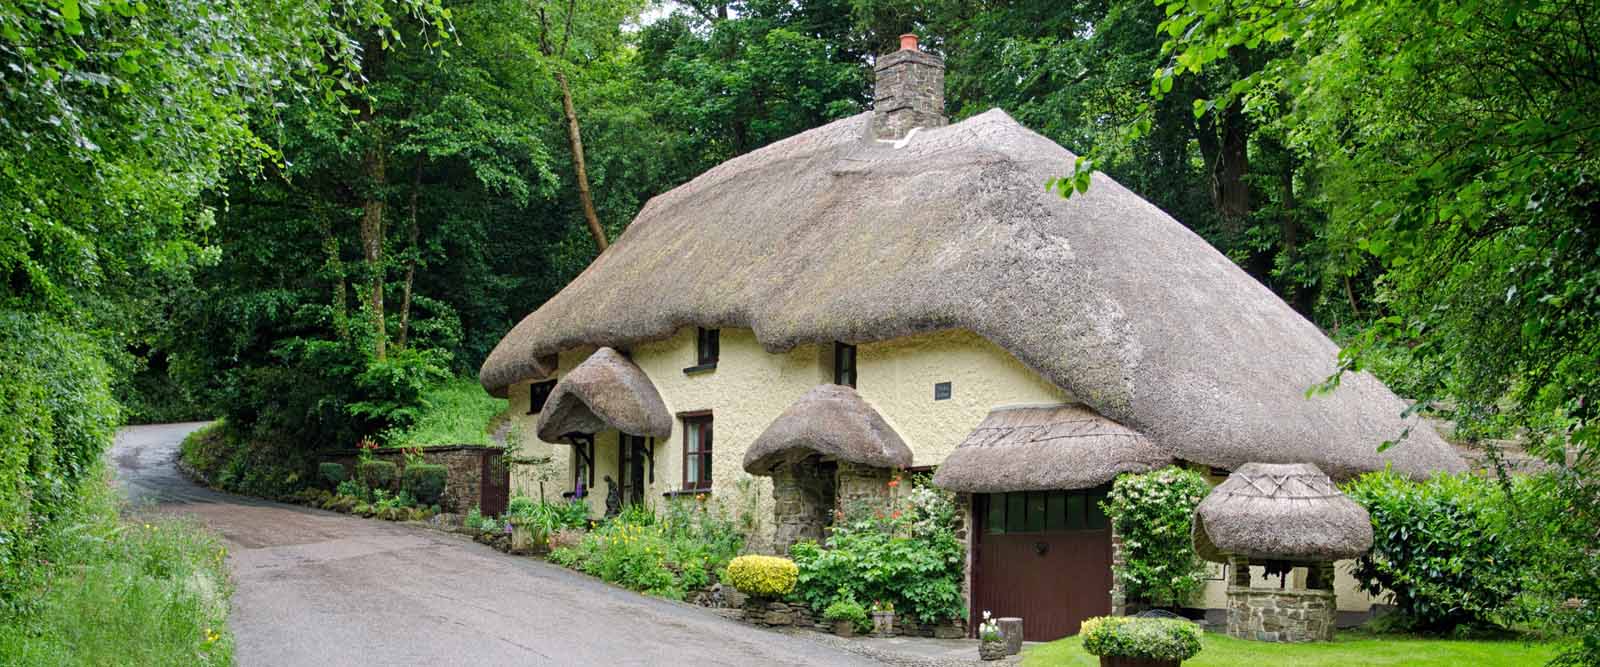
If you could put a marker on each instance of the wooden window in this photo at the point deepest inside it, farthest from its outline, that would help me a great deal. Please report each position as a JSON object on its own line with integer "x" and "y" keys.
{"x": 538, "y": 393}
{"x": 697, "y": 451}
{"x": 708, "y": 346}
{"x": 1044, "y": 511}
{"x": 844, "y": 364}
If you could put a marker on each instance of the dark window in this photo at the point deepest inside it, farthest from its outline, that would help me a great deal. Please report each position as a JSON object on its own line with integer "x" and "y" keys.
{"x": 844, "y": 364}
{"x": 1042, "y": 511}
{"x": 708, "y": 345}
{"x": 697, "y": 451}
{"x": 941, "y": 391}
{"x": 538, "y": 393}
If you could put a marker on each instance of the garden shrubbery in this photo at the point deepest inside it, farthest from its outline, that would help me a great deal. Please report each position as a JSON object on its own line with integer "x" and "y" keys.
{"x": 763, "y": 576}
{"x": 667, "y": 555}
{"x": 425, "y": 482}
{"x": 1145, "y": 638}
{"x": 1153, "y": 514}
{"x": 1444, "y": 550}
{"x": 909, "y": 557}
{"x": 376, "y": 474}
{"x": 332, "y": 474}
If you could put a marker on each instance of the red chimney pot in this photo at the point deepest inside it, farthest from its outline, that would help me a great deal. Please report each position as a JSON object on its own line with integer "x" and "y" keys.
{"x": 908, "y": 42}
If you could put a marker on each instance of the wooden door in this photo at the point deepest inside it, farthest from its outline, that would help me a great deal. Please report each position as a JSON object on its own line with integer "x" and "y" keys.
{"x": 1044, "y": 557}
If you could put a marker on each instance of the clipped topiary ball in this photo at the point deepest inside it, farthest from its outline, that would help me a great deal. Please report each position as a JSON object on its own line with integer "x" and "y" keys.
{"x": 763, "y": 576}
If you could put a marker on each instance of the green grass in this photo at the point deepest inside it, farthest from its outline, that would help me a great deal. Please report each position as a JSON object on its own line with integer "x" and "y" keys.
{"x": 120, "y": 591}
{"x": 458, "y": 412}
{"x": 1348, "y": 649}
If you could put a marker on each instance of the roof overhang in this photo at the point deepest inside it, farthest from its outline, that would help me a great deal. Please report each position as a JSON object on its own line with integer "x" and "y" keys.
{"x": 1046, "y": 448}
{"x": 605, "y": 392}
{"x": 833, "y": 421}
{"x": 1280, "y": 511}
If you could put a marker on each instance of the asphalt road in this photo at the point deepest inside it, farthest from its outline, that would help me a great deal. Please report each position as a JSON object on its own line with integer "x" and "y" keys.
{"x": 321, "y": 588}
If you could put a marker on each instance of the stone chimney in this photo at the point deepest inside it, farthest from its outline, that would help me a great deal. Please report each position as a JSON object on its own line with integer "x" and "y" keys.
{"x": 909, "y": 92}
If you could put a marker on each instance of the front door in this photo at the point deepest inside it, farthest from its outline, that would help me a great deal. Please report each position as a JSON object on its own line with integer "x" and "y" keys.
{"x": 632, "y": 468}
{"x": 1042, "y": 556}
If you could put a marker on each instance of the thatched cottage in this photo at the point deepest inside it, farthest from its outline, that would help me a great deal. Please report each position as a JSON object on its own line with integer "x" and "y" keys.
{"x": 891, "y": 291}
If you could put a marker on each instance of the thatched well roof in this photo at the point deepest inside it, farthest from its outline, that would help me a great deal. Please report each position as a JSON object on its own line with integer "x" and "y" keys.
{"x": 833, "y": 421}
{"x": 1043, "y": 448}
{"x": 829, "y": 236}
{"x": 604, "y": 392}
{"x": 1280, "y": 511}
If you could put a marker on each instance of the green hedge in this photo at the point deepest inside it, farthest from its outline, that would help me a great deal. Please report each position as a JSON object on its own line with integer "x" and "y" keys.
{"x": 426, "y": 482}
{"x": 332, "y": 473}
{"x": 376, "y": 474}
{"x": 1148, "y": 638}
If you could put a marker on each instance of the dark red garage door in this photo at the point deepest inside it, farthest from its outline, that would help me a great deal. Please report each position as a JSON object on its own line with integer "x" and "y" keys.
{"x": 1044, "y": 556}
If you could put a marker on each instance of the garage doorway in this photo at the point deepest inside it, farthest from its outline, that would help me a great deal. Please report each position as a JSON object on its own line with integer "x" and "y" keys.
{"x": 1043, "y": 556}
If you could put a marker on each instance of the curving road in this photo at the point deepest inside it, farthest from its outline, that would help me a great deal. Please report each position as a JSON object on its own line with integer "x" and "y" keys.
{"x": 320, "y": 588}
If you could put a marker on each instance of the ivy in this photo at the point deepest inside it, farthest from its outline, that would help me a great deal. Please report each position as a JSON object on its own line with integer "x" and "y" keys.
{"x": 1153, "y": 514}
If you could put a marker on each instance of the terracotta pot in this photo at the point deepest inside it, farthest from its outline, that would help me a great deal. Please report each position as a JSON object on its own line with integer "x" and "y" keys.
{"x": 1126, "y": 661}
{"x": 992, "y": 650}
{"x": 844, "y": 628}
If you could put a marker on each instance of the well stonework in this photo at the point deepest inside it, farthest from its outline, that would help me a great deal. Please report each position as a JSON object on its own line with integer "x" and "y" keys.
{"x": 1280, "y": 615}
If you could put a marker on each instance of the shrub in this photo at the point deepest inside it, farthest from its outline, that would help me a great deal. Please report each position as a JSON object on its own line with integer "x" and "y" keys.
{"x": 847, "y": 609}
{"x": 425, "y": 482}
{"x": 1147, "y": 638}
{"x": 1441, "y": 549}
{"x": 1153, "y": 514}
{"x": 908, "y": 557}
{"x": 332, "y": 473}
{"x": 376, "y": 474}
{"x": 763, "y": 576}
{"x": 666, "y": 555}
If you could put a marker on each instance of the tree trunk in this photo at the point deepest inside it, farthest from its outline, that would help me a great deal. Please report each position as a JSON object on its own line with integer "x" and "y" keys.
{"x": 1229, "y": 190}
{"x": 411, "y": 258}
{"x": 372, "y": 204}
{"x": 573, "y": 135}
{"x": 335, "y": 266}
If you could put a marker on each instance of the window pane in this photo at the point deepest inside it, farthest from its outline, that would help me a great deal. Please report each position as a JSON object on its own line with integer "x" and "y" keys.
{"x": 1036, "y": 510}
{"x": 705, "y": 471}
{"x": 691, "y": 472}
{"x": 1075, "y": 511}
{"x": 1016, "y": 512}
{"x": 996, "y": 522}
{"x": 1056, "y": 511}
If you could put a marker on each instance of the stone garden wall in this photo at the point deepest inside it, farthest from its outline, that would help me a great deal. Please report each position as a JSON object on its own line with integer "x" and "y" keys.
{"x": 463, "y": 471}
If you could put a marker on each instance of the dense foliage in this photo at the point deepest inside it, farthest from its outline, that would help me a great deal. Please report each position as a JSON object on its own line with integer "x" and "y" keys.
{"x": 668, "y": 555}
{"x": 1444, "y": 551}
{"x": 1153, "y": 514}
{"x": 1147, "y": 638}
{"x": 908, "y": 557}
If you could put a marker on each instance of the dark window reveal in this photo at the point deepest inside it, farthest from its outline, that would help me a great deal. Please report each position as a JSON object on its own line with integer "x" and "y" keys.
{"x": 844, "y": 364}
{"x": 1044, "y": 511}
{"x": 708, "y": 346}
{"x": 941, "y": 391}
{"x": 538, "y": 393}
{"x": 697, "y": 452}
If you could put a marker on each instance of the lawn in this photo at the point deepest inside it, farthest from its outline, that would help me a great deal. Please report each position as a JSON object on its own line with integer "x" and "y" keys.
{"x": 1350, "y": 648}
{"x": 455, "y": 412}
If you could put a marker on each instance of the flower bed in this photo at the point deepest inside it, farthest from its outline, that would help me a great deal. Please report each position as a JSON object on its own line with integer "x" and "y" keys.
{"x": 684, "y": 549}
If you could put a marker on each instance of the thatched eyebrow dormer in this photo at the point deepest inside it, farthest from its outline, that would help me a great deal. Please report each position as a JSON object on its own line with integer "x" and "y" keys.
{"x": 832, "y": 235}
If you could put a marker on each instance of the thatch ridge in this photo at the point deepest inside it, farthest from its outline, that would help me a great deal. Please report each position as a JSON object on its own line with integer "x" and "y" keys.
{"x": 826, "y": 236}
{"x": 1040, "y": 448}
{"x": 831, "y": 420}
{"x": 1290, "y": 512}
{"x": 606, "y": 391}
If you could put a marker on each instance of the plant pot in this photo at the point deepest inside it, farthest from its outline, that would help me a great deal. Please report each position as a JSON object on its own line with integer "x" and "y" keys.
{"x": 992, "y": 650}
{"x": 883, "y": 623}
{"x": 844, "y": 628}
{"x": 1129, "y": 661}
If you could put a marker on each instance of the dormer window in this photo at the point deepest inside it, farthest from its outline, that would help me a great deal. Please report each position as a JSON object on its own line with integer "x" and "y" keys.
{"x": 707, "y": 347}
{"x": 844, "y": 364}
{"x": 538, "y": 393}
{"x": 708, "y": 344}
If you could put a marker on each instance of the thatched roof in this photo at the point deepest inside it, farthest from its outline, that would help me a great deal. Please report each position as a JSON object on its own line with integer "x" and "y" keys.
{"x": 1042, "y": 448}
{"x": 828, "y": 236}
{"x": 833, "y": 421}
{"x": 604, "y": 392}
{"x": 1280, "y": 512}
